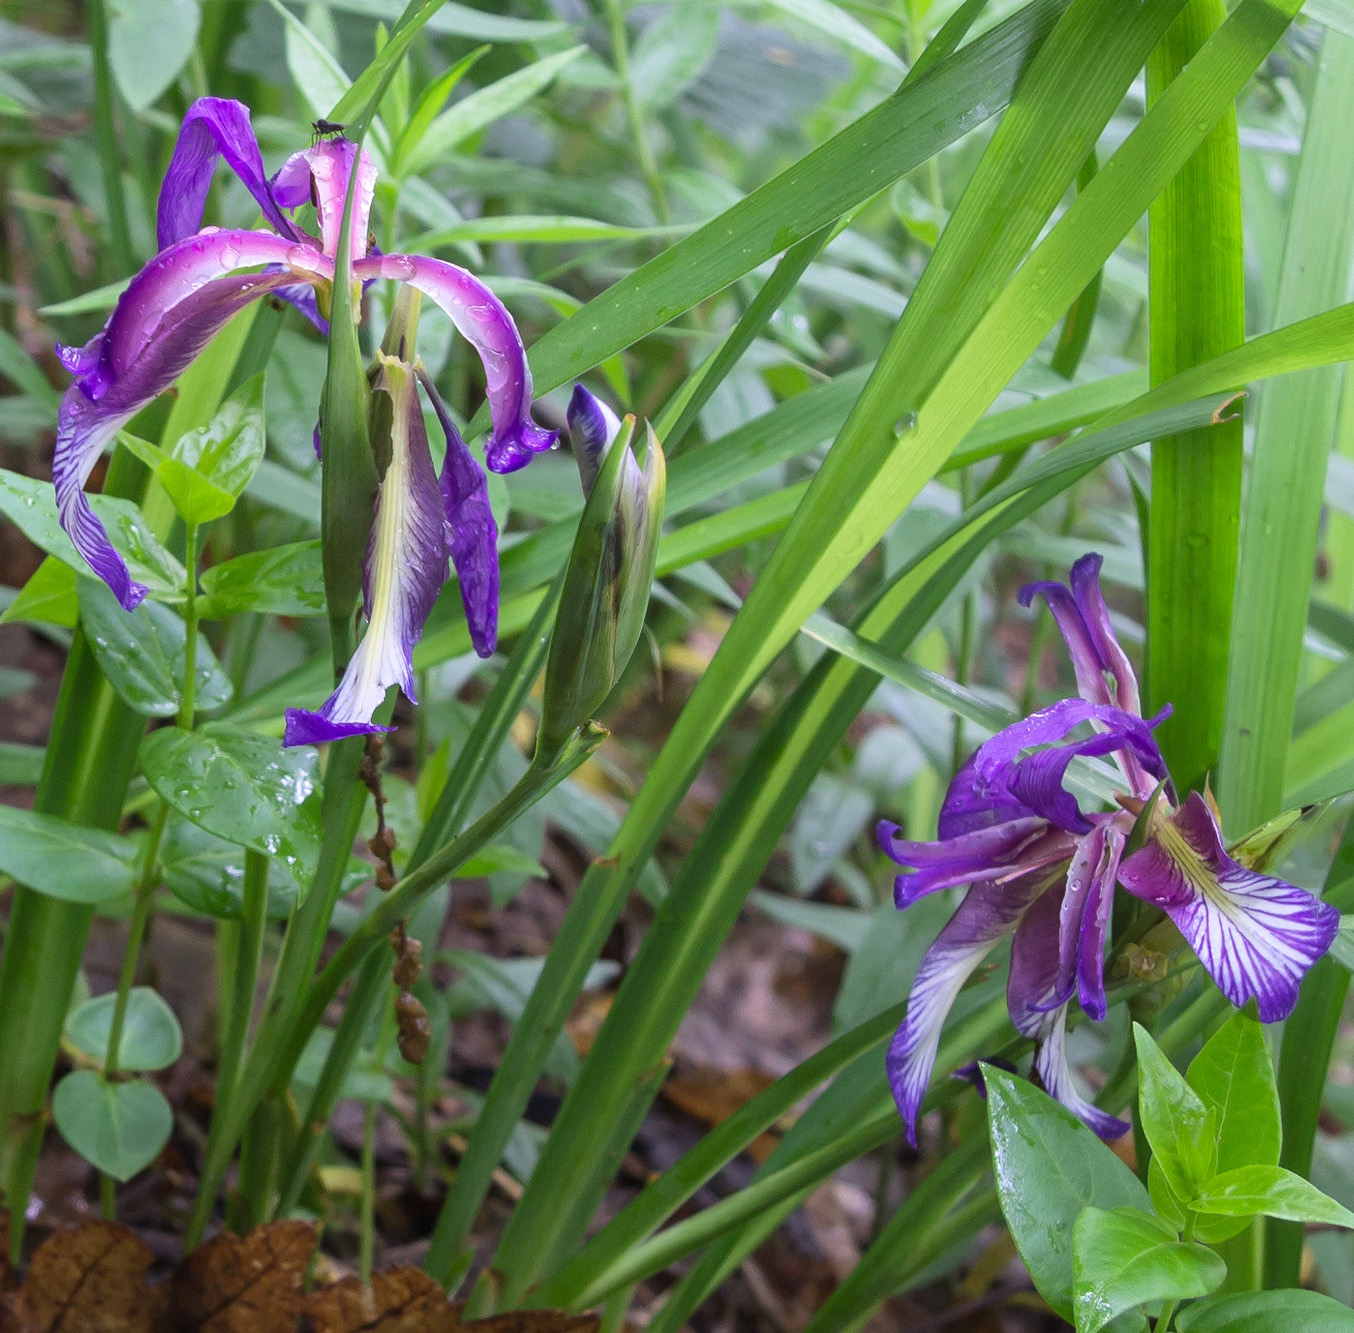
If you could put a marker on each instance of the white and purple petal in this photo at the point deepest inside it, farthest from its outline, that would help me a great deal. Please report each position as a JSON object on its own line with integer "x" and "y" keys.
{"x": 1054, "y": 1075}
{"x": 406, "y": 566}
{"x": 988, "y": 913}
{"x": 592, "y": 427}
{"x": 214, "y": 127}
{"x": 322, "y": 175}
{"x": 484, "y": 322}
{"x": 1256, "y": 935}
{"x": 472, "y": 529}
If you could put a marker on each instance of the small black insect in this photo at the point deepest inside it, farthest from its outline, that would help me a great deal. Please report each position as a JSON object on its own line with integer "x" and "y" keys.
{"x": 323, "y": 128}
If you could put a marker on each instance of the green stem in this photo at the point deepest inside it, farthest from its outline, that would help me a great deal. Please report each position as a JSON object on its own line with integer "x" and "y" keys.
{"x": 105, "y": 129}
{"x": 620, "y": 54}
{"x": 188, "y": 705}
{"x": 366, "y": 1242}
{"x": 245, "y": 975}
{"x": 283, "y": 1036}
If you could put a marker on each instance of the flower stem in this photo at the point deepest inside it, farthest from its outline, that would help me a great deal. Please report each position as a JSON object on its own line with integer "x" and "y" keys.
{"x": 105, "y": 128}
{"x": 189, "y": 704}
{"x": 246, "y": 971}
{"x": 620, "y": 54}
{"x": 368, "y": 1215}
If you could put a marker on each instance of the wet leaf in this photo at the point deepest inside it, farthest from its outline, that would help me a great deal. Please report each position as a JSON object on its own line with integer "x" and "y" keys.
{"x": 244, "y": 1284}
{"x": 86, "y": 1279}
{"x": 284, "y": 581}
{"x": 142, "y": 652}
{"x": 244, "y": 788}
{"x": 207, "y": 873}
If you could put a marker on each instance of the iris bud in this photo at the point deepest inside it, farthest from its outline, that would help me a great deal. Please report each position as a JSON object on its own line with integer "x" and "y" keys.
{"x": 610, "y": 570}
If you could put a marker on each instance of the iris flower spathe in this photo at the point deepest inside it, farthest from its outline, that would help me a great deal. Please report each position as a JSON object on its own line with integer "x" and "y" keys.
{"x": 1042, "y": 870}
{"x": 201, "y": 277}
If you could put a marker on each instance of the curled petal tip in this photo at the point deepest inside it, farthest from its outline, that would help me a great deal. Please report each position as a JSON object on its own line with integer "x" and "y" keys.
{"x": 511, "y": 449}
{"x": 307, "y": 728}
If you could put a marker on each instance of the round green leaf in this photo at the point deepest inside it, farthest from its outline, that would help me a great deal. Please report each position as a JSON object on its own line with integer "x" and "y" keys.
{"x": 244, "y": 788}
{"x": 151, "y": 1036}
{"x": 119, "y": 1128}
{"x": 142, "y": 652}
{"x": 207, "y": 874}
{"x": 1265, "y": 1311}
{"x": 65, "y": 860}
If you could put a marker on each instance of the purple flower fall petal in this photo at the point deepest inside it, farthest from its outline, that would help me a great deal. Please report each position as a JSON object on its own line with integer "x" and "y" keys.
{"x": 989, "y": 853}
{"x": 473, "y": 532}
{"x": 406, "y": 565}
{"x": 1257, "y": 935}
{"x": 213, "y": 128}
{"x": 485, "y": 323}
{"x": 1053, "y": 1072}
{"x": 988, "y": 913}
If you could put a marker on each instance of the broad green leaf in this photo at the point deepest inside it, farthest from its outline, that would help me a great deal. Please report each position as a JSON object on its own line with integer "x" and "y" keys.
{"x": 244, "y": 788}
{"x": 1050, "y": 1167}
{"x": 483, "y": 107}
{"x": 1249, "y": 1191}
{"x": 282, "y": 581}
{"x": 142, "y": 652}
{"x": 149, "y": 41}
{"x": 151, "y": 1036}
{"x": 63, "y": 860}
{"x": 207, "y": 874}
{"x": 118, "y": 1127}
{"x": 48, "y": 598}
{"x": 1125, "y": 1258}
{"x": 1234, "y": 1077}
{"x": 1180, "y": 1127}
{"x": 428, "y": 106}
{"x": 1266, "y": 1312}
{"x": 31, "y": 505}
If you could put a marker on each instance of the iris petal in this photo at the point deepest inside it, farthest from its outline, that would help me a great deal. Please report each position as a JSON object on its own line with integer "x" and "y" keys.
{"x": 214, "y": 127}
{"x": 592, "y": 427}
{"x": 988, "y": 913}
{"x": 485, "y": 323}
{"x": 406, "y": 566}
{"x": 989, "y": 853}
{"x": 1055, "y": 1075}
{"x": 321, "y": 175}
{"x": 1256, "y": 935}
{"x": 473, "y": 531}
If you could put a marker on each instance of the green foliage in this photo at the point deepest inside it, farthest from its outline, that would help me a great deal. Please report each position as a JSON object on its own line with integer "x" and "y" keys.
{"x": 151, "y": 1037}
{"x": 119, "y": 1128}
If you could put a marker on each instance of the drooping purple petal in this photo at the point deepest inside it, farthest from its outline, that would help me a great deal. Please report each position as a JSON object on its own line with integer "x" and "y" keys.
{"x": 85, "y": 426}
{"x": 473, "y": 531}
{"x": 406, "y": 566}
{"x": 214, "y": 127}
{"x": 1055, "y": 1075}
{"x": 1084, "y": 920}
{"x": 321, "y": 175}
{"x": 485, "y": 323}
{"x": 1256, "y": 935}
{"x": 988, "y": 913}
{"x": 592, "y": 427}
{"x": 1033, "y": 982}
{"x": 973, "y": 802}
{"x": 990, "y": 853}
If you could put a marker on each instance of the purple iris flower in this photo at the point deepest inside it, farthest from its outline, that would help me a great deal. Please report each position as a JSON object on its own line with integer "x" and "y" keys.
{"x": 1043, "y": 870}
{"x": 205, "y": 275}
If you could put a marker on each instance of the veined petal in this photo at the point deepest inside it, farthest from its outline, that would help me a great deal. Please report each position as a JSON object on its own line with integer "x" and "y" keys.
{"x": 406, "y": 566}
{"x": 988, "y": 913}
{"x": 214, "y": 127}
{"x": 1055, "y": 1075}
{"x": 1032, "y": 984}
{"x": 485, "y": 323}
{"x": 1084, "y": 921}
{"x": 592, "y": 427}
{"x": 989, "y": 853}
{"x": 1256, "y": 935}
{"x": 473, "y": 532}
{"x": 973, "y": 802}
{"x": 321, "y": 175}
{"x": 85, "y": 425}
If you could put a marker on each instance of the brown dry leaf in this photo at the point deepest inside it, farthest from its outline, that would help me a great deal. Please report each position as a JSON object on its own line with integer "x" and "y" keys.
{"x": 405, "y": 1300}
{"x": 243, "y": 1284}
{"x": 399, "y": 1300}
{"x": 85, "y": 1279}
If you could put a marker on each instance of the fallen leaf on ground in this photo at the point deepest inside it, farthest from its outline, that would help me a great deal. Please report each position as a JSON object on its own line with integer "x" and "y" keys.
{"x": 243, "y": 1284}
{"x": 85, "y": 1279}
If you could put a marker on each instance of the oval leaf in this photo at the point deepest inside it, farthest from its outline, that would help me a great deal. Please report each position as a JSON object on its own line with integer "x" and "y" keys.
{"x": 1251, "y": 1190}
{"x": 151, "y": 1036}
{"x": 149, "y": 41}
{"x": 246, "y": 789}
{"x": 1234, "y": 1075}
{"x": 207, "y": 874}
{"x": 1049, "y": 1167}
{"x": 1125, "y": 1257}
{"x": 119, "y": 1128}
{"x": 283, "y": 581}
{"x": 142, "y": 652}
{"x": 1264, "y": 1311}
{"x": 65, "y": 860}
